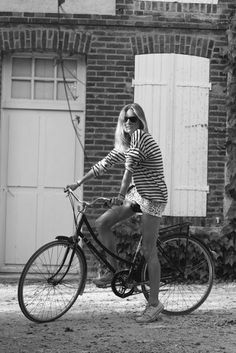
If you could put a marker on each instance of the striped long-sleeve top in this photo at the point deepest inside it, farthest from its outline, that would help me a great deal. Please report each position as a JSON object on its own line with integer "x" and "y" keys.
{"x": 144, "y": 160}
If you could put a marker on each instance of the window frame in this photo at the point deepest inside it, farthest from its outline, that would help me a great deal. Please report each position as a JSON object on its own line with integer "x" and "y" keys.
{"x": 44, "y": 103}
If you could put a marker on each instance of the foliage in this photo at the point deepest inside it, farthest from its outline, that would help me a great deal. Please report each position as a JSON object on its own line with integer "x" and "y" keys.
{"x": 127, "y": 235}
{"x": 230, "y": 189}
{"x": 223, "y": 247}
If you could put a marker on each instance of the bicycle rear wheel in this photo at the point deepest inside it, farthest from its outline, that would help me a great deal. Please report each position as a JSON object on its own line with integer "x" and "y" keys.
{"x": 51, "y": 281}
{"x": 187, "y": 273}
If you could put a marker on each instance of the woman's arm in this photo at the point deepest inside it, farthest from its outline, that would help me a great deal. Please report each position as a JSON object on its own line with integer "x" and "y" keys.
{"x": 108, "y": 162}
{"x": 125, "y": 183}
{"x": 100, "y": 168}
{"x": 86, "y": 177}
{"x": 126, "y": 180}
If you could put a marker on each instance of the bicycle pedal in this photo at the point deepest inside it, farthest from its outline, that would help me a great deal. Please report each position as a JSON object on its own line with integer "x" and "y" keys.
{"x": 103, "y": 285}
{"x": 137, "y": 291}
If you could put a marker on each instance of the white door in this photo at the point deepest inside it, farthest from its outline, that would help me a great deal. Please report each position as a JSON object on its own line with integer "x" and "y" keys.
{"x": 40, "y": 153}
{"x": 174, "y": 92}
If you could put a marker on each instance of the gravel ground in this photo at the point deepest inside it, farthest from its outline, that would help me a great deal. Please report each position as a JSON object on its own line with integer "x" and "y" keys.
{"x": 100, "y": 322}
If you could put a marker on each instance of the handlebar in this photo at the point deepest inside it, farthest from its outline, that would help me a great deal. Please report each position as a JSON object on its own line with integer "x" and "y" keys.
{"x": 86, "y": 204}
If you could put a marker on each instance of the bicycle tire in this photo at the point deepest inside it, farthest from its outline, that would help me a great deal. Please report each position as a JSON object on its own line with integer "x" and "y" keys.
{"x": 44, "y": 294}
{"x": 187, "y": 274}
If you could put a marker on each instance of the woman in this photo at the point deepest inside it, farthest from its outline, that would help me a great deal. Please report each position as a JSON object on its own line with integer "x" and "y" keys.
{"x": 144, "y": 171}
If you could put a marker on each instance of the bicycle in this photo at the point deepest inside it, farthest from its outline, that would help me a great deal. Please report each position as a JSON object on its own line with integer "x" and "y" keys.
{"x": 56, "y": 274}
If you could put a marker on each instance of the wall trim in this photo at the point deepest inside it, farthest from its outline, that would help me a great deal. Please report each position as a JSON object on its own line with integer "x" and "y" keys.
{"x": 40, "y": 39}
{"x": 178, "y": 44}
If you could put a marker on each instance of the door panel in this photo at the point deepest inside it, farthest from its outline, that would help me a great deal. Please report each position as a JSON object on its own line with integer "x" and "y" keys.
{"x": 23, "y": 145}
{"x": 41, "y": 162}
{"x": 55, "y": 217}
{"x": 21, "y": 222}
{"x": 59, "y": 148}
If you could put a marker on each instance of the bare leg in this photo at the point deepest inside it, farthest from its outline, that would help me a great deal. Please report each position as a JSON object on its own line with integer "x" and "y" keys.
{"x": 150, "y": 230}
{"x": 106, "y": 221}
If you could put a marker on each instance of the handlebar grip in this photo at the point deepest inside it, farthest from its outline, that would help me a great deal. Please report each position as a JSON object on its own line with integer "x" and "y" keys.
{"x": 107, "y": 203}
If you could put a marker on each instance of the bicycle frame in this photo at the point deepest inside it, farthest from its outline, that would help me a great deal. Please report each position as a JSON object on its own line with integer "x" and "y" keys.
{"x": 79, "y": 234}
{"x": 84, "y": 221}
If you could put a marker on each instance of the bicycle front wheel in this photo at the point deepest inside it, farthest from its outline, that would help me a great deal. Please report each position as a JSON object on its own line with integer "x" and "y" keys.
{"x": 187, "y": 273}
{"x": 51, "y": 281}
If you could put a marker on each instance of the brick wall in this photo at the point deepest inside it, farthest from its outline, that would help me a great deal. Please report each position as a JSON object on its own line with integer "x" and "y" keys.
{"x": 110, "y": 43}
{"x": 190, "y": 12}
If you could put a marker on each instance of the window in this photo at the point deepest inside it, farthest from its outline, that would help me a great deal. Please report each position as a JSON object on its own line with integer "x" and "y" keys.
{"x": 43, "y": 79}
{"x": 102, "y": 7}
{"x": 174, "y": 92}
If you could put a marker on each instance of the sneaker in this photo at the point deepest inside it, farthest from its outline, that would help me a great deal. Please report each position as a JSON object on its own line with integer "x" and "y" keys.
{"x": 104, "y": 281}
{"x": 150, "y": 313}
{"x": 141, "y": 313}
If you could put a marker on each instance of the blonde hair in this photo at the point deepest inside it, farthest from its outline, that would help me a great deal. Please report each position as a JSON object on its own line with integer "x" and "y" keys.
{"x": 122, "y": 138}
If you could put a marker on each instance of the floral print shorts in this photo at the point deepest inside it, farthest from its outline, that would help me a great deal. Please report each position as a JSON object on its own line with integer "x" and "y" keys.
{"x": 154, "y": 208}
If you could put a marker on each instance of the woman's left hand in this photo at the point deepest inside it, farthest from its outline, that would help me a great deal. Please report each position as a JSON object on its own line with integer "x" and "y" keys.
{"x": 117, "y": 200}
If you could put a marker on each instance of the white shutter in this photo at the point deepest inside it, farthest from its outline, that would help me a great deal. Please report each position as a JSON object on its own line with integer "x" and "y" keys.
{"x": 153, "y": 91}
{"x": 191, "y": 135}
{"x": 173, "y": 90}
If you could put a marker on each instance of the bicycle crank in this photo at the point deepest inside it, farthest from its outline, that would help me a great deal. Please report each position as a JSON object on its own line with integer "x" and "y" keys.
{"x": 120, "y": 284}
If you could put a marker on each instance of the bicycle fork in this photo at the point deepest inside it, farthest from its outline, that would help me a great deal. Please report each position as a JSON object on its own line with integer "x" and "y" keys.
{"x": 52, "y": 279}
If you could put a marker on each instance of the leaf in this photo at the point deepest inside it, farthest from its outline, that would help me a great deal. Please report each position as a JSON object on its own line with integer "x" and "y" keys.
{"x": 230, "y": 260}
{"x": 230, "y": 244}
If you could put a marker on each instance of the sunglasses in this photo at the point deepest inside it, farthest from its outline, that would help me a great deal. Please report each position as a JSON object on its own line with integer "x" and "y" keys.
{"x": 132, "y": 119}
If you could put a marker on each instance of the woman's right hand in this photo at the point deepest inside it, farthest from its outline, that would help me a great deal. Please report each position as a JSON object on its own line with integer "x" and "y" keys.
{"x": 73, "y": 186}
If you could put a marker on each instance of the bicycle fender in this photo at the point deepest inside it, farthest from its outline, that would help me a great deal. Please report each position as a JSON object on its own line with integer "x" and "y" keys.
{"x": 63, "y": 237}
